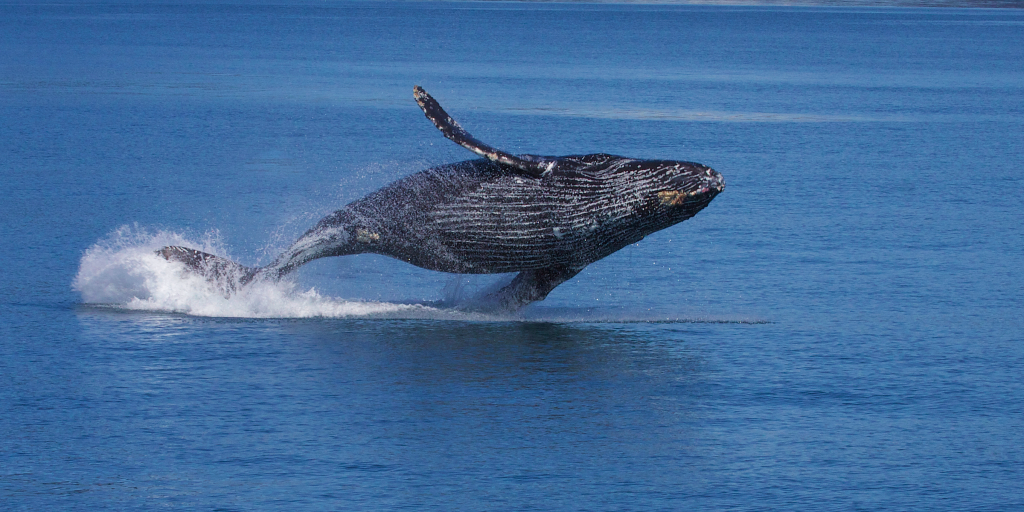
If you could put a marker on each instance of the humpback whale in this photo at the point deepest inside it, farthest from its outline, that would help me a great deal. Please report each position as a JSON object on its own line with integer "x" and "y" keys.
{"x": 544, "y": 217}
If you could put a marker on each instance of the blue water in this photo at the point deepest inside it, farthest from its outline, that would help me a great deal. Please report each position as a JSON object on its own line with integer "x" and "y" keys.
{"x": 840, "y": 329}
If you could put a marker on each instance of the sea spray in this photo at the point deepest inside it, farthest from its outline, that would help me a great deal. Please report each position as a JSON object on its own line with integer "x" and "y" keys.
{"x": 124, "y": 271}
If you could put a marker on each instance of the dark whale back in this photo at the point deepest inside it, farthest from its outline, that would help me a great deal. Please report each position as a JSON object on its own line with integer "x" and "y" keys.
{"x": 478, "y": 217}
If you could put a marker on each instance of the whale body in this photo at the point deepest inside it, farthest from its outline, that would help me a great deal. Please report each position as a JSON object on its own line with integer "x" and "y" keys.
{"x": 544, "y": 217}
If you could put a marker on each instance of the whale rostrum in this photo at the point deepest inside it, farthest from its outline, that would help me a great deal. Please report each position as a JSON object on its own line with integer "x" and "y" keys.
{"x": 544, "y": 217}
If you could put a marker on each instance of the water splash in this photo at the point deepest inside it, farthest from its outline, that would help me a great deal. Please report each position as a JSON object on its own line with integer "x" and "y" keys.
{"x": 124, "y": 272}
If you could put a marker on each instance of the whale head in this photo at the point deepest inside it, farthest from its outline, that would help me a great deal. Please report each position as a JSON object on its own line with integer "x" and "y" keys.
{"x": 657, "y": 193}
{"x": 671, "y": 191}
{"x": 681, "y": 184}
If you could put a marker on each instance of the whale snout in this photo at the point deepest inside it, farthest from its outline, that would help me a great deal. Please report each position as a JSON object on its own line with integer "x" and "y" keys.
{"x": 695, "y": 187}
{"x": 700, "y": 181}
{"x": 708, "y": 182}
{"x": 715, "y": 181}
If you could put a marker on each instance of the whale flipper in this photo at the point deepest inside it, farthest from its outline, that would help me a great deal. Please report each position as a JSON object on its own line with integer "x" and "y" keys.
{"x": 529, "y": 286}
{"x": 531, "y": 165}
{"x": 226, "y": 274}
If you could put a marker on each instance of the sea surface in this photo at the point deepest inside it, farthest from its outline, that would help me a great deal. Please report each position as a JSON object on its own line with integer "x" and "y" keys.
{"x": 841, "y": 329}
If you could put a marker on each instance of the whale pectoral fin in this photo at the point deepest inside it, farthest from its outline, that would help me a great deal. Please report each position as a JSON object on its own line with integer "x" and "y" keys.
{"x": 531, "y": 286}
{"x": 226, "y": 274}
{"x": 530, "y": 165}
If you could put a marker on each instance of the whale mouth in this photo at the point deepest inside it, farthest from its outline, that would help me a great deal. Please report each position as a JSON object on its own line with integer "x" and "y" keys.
{"x": 682, "y": 197}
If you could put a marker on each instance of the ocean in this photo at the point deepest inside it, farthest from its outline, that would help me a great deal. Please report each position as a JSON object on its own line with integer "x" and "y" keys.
{"x": 840, "y": 329}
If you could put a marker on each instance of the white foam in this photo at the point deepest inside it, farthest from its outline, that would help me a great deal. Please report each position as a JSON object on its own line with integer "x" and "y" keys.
{"x": 124, "y": 271}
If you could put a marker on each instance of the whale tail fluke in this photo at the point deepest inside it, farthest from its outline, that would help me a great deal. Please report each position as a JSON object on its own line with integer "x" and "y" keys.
{"x": 223, "y": 273}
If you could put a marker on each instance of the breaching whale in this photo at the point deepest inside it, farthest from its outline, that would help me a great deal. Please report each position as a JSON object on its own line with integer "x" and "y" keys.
{"x": 544, "y": 217}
